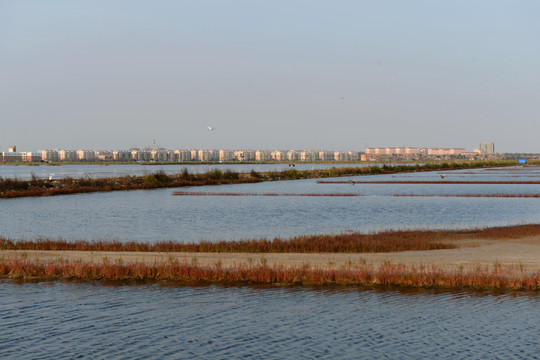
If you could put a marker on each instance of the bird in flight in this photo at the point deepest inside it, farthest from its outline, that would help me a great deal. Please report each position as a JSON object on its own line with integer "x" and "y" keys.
{"x": 210, "y": 128}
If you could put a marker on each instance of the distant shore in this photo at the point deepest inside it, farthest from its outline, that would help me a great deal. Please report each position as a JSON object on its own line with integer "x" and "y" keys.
{"x": 12, "y": 188}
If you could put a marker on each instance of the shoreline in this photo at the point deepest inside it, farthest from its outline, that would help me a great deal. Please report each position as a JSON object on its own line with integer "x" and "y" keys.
{"x": 14, "y": 188}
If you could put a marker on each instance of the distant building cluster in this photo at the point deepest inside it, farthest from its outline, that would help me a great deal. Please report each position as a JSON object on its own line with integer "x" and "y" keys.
{"x": 156, "y": 154}
{"x": 419, "y": 153}
{"x": 13, "y": 155}
{"x": 165, "y": 155}
{"x": 487, "y": 148}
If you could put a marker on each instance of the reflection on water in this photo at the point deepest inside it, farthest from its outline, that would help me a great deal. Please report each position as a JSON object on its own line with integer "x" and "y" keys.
{"x": 64, "y": 320}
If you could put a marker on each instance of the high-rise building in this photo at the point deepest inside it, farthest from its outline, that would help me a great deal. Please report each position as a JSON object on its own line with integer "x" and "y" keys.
{"x": 487, "y": 148}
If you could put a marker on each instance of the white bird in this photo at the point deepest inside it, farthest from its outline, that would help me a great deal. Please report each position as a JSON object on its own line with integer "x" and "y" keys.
{"x": 210, "y": 128}
{"x": 51, "y": 176}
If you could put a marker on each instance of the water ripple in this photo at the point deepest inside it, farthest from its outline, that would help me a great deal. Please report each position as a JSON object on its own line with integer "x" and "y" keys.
{"x": 69, "y": 320}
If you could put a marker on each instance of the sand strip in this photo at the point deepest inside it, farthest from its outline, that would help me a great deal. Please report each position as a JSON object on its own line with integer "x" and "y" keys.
{"x": 471, "y": 253}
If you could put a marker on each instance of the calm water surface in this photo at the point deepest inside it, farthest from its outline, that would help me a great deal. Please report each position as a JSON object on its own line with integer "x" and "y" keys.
{"x": 63, "y": 320}
{"x": 99, "y": 171}
{"x": 68, "y": 320}
{"x": 155, "y": 215}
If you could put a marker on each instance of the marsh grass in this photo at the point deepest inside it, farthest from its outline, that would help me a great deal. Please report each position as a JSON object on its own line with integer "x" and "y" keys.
{"x": 194, "y": 193}
{"x": 386, "y": 241}
{"x": 460, "y": 182}
{"x": 360, "y": 274}
{"x": 474, "y": 195}
{"x": 11, "y": 188}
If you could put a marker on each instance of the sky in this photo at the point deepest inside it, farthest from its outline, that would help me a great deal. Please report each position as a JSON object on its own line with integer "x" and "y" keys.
{"x": 295, "y": 74}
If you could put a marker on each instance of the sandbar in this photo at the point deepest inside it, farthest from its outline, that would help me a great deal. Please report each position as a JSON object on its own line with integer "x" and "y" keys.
{"x": 470, "y": 253}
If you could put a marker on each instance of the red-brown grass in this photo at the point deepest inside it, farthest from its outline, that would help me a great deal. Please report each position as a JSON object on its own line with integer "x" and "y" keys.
{"x": 390, "y": 241}
{"x": 193, "y": 193}
{"x": 430, "y": 182}
{"x": 500, "y": 195}
{"x": 361, "y": 274}
{"x": 11, "y": 188}
{"x": 386, "y": 241}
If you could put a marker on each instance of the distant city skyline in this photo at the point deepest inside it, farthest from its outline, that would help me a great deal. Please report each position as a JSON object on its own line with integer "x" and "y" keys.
{"x": 158, "y": 154}
{"x": 484, "y": 147}
{"x": 6, "y": 148}
{"x": 269, "y": 75}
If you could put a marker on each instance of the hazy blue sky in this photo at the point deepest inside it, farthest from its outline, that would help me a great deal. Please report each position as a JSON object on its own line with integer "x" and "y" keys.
{"x": 270, "y": 74}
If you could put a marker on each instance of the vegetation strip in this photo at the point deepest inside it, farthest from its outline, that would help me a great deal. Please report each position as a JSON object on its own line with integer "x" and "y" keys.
{"x": 11, "y": 188}
{"x": 358, "y": 274}
{"x": 430, "y": 182}
{"x": 472, "y": 195}
{"x": 192, "y": 193}
{"x": 387, "y": 241}
{"x": 189, "y": 193}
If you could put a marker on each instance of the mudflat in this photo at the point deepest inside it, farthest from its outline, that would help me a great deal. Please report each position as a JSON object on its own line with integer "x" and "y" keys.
{"x": 469, "y": 253}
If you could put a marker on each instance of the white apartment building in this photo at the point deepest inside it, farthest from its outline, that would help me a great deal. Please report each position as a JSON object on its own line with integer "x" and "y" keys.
{"x": 393, "y": 151}
{"x": 50, "y": 155}
{"x": 341, "y": 156}
{"x": 354, "y": 155}
{"x": 326, "y": 155}
{"x": 250, "y": 155}
{"x": 293, "y": 155}
{"x": 208, "y": 155}
{"x": 86, "y": 154}
{"x": 445, "y": 151}
{"x": 182, "y": 155}
{"x": 309, "y": 155}
{"x": 19, "y": 156}
{"x": 160, "y": 155}
{"x": 487, "y": 148}
{"x": 141, "y": 155}
{"x": 67, "y": 155}
{"x": 122, "y": 155}
{"x": 263, "y": 155}
{"x": 278, "y": 155}
{"x": 226, "y": 155}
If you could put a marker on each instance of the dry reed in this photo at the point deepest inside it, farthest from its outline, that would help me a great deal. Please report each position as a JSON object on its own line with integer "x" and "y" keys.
{"x": 504, "y": 182}
{"x": 500, "y": 195}
{"x": 386, "y": 241}
{"x": 360, "y": 274}
{"x": 193, "y": 193}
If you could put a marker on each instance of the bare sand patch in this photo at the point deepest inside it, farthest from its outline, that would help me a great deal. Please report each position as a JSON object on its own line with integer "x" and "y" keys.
{"x": 470, "y": 253}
